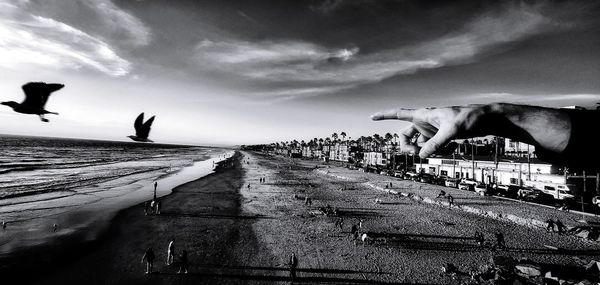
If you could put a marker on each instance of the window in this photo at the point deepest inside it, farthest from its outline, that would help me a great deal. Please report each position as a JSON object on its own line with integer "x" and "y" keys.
{"x": 549, "y": 188}
{"x": 443, "y": 173}
{"x": 514, "y": 181}
{"x": 457, "y": 175}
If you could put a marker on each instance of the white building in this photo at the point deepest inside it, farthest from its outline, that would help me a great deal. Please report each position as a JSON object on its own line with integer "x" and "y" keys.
{"x": 518, "y": 149}
{"x": 339, "y": 152}
{"x": 507, "y": 172}
{"x": 374, "y": 158}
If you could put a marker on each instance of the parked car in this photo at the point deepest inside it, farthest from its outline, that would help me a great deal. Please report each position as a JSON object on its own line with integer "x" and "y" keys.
{"x": 451, "y": 182}
{"x": 483, "y": 189}
{"x": 410, "y": 175}
{"x": 558, "y": 194}
{"x": 466, "y": 186}
{"x": 507, "y": 190}
{"x": 399, "y": 174}
{"x": 425, "y": 178}
{"x": 384, "y": 172}
{"x": 439, "y": 180}
{"x": 530, "y": 194}
{"x": 596, "y": 201}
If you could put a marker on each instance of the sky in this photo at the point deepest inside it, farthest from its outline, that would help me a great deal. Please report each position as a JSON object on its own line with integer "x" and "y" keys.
{"x": 243, "y": 72}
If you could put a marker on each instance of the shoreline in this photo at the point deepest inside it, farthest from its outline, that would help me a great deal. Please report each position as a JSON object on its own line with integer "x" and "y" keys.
{"x": 85, "y": 227}
{"x": 205, "y": 218}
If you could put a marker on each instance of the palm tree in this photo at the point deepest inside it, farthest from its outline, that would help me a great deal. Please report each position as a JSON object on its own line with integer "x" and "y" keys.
{"x": 334, "y": 136}
{"x": 343, "y": 134}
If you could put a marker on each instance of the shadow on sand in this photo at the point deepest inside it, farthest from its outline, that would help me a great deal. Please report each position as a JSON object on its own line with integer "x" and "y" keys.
{"x": 277, "y": 274}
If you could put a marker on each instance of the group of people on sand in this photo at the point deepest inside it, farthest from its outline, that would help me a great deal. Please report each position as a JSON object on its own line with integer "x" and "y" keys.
{"x": 500, "y": 243}
{"x": 262, "y": 180}
{"x": 152, "y": 207}
{"x": 149, "y": 258}
{"x": 448, "y": 197}
{"x": 560, "y": 227}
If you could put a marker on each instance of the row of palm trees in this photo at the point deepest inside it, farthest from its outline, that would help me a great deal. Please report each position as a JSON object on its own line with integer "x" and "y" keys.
{"x": 375, "y": 142}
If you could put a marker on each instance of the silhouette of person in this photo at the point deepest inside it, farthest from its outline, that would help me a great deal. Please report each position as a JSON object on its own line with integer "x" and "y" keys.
{"x": 158, "y": 207}
{"x": 183, "y": 267}
{"x": 560, "y": 226}
{"x": 54, "y": 227}
{"x": 171, "y": 252}
{"x": 550, "y": 225}
{"x": 560, "y": 136}
{"x": 4, "y": 224}
{"x": 479, "y": 238}
{"x": 149, "y": 258}
{"x": 339, "y": 222}
{"x": 442, "y": 194}
{"x": 450, "y": 200}
{"x": 500, "y": 240}
{"x": 155, "y": 185}
{"x": 293, "y": 264}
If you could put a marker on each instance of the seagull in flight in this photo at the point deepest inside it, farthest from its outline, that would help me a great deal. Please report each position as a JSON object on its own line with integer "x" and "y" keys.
{"x": 36, "y": 96}
{"x": 142, "y": 130}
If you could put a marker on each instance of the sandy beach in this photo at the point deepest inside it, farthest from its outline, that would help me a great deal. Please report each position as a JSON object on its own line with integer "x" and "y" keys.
{"x": 239, "y": 234}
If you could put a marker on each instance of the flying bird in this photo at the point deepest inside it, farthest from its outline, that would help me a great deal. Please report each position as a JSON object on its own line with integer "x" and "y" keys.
{"x": 36, "y": 96}
{"x": 142, "y": 130}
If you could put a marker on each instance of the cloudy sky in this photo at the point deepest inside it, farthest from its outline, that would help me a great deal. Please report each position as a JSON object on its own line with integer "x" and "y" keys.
{"x": 240, "y": 72}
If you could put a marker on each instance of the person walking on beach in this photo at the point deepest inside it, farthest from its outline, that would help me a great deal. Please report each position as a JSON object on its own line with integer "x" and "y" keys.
{"x": 152, "y": 205}
{"x": 339, "y": 222}
{"x": 479, "y": 238}
{"x": 183, "y": 267}
{"x": 4, "y": 224}
{"x": 442, "y": 194}
{"x": 550, "y": 225}
{"x": 450, "y": 201}
{"x": 54, "y": 227}
{"x": 155, "y": 185}
{"x": 146, "y": 208}
{"x": 149, "y": 258}
{"x": 158, "y": 207}
{"x": 293, "y": 264}
{"x": 560, "y": 226}
{"x": 171, "y": 252}
{"x": 500, "y": 240}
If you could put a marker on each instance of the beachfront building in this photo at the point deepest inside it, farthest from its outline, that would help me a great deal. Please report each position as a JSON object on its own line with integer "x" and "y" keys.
{"x": 484, "y": 169}
{"x": 518, "y": 149}
{"x": 373, "y": 158}
{"x": 339, "y": 152}
{"x": 480, "y": 146}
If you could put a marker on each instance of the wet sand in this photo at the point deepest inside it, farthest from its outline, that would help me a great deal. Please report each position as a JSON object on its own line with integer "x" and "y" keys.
{"x": 204, "y": 218}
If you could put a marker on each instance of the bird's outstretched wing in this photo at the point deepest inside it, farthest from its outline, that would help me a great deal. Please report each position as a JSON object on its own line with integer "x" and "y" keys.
{"x": 37, "y": 93}
{"x": 144, "y": 130}
{"x": 139, "y": 121}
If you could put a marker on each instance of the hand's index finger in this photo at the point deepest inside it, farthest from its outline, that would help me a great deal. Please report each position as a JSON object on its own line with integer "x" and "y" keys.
{"x": 394, "y": 114}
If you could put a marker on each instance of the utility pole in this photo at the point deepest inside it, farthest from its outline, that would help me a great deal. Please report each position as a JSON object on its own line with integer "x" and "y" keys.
{"x": 454, "y": 165}
{"x": 528, "y": 165}
{"x": 597, "y": 183}
{"x": 473, "y": 160}
{"x": 496, "y": 162}
{"x": 582, "y": 210}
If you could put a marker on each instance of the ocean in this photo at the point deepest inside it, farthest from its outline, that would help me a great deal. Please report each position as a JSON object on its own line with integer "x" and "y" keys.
{"x": 77, "y": 183}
